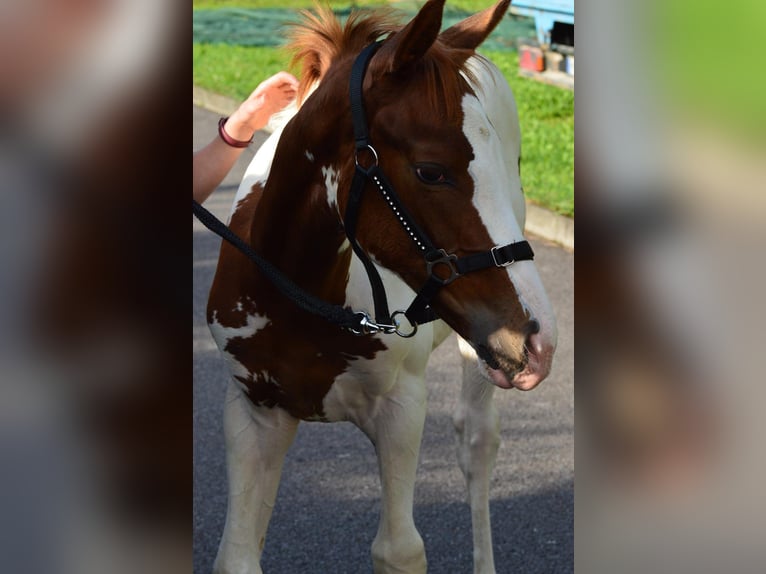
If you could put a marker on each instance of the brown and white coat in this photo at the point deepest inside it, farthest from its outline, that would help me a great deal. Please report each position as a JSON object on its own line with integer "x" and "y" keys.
{"x": 444, "y": 124}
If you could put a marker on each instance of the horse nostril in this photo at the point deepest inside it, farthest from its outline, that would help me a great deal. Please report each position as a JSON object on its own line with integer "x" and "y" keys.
{"x": 486, "y": 355}
{"x": 533, "y": 342}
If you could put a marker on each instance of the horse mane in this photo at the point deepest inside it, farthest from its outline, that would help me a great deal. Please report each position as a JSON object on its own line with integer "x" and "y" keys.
{"x": 319, "y": 38}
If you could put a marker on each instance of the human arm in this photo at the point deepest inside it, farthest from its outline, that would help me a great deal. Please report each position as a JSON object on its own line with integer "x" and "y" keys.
{"x": 213, "y": 162}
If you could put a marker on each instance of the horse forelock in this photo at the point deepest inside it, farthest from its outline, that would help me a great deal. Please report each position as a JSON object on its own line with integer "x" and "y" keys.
{"x": 319, "y": 38}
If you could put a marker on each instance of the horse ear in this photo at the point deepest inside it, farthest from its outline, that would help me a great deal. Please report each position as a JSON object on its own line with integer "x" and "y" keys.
{"x": 412, "y": 42}
{"x": 472, "y": 31}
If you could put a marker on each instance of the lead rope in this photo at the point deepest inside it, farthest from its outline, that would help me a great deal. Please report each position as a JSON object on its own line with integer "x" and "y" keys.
{"x": 341, "y": 316}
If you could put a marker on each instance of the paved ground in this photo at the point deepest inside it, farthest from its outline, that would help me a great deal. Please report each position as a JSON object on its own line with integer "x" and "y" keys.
{"x": 327, "y": 509}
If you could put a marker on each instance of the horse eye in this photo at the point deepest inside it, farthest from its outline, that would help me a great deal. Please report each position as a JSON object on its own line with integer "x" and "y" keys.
{"x": 431, "y": 175}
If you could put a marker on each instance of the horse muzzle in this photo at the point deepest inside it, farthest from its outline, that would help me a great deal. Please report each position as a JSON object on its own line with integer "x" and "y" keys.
{"x": 519, "y": 361}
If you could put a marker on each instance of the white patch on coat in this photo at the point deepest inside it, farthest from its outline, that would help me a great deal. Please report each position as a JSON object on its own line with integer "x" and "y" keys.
{"x": 223, "y": 335}
{"x": 347, "y": 398}
{"x": 259, "y": 168}
{"x": 491, "y": 127}
{"x": 309, "y": 156}
{"x": 264, "y": 377}
{"x": 331, "y": 185}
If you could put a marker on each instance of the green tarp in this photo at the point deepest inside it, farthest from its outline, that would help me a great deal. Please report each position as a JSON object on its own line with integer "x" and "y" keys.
{"x": 265, "y": 27}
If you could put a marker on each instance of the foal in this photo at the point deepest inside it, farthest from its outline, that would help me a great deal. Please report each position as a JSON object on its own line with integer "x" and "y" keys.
{"x": 443, "y": 127}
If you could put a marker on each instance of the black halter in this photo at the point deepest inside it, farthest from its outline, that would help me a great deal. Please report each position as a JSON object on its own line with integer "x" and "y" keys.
{"x": 449, "y": 266}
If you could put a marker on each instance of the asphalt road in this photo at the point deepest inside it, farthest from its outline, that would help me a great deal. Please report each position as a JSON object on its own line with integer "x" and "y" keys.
{"x": 327, "y": 509}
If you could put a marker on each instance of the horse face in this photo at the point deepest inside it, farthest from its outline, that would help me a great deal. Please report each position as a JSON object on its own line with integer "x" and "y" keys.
{"x": 450, "y": 145}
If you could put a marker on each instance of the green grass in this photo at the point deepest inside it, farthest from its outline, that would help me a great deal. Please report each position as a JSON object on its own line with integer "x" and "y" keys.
{"x": 546, "y": 113}
{"x": 705, "y": 65}
{"x": 235, "y": 71}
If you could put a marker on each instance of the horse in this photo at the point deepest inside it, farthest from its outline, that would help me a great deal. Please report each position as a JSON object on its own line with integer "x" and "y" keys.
{"x": 394, "y": 180}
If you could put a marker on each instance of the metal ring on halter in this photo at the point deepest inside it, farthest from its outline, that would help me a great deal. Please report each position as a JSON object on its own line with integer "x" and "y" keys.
{"x": 374, "y": 155}
{"x": 397, "y": 324}
{"x": 441, "y": 257}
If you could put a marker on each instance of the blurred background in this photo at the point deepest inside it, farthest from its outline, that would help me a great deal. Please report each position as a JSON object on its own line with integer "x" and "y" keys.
{"x": 95, "y": 403}
{"x": 670, "y": 180}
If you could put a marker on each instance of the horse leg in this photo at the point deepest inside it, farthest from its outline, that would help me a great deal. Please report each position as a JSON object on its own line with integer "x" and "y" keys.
{"x": 477, "y": 427}
{"x": 396, "y": 430}
{"x": 257, "y": 439}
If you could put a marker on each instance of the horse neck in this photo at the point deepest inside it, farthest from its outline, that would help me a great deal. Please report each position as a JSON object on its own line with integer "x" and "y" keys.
{"x": 295, "y": 226}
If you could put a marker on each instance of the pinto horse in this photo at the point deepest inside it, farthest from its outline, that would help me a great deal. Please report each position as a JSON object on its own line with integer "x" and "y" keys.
{"x": 441, "y": 124}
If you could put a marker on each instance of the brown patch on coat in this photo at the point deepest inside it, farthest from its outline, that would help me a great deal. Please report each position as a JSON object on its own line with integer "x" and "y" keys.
{"x": 293, "y": 361}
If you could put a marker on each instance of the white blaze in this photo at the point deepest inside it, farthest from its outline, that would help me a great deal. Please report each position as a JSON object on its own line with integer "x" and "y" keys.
{"x": 491, "y": 126}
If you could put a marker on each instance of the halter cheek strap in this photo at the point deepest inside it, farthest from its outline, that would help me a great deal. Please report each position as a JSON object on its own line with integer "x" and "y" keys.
{"x": 442, "y": 268}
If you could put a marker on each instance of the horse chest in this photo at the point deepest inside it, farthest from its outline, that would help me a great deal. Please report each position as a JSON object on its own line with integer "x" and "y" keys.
{"x": 315, "y": 372}
{"x": 293, "y": 369}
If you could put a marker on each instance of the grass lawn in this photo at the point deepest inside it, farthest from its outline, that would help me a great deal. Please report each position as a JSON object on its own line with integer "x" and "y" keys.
{"x": 546, "y": 113}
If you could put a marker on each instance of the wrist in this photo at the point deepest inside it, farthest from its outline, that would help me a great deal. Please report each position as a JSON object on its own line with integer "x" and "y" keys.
{"x": 235, "y": 133}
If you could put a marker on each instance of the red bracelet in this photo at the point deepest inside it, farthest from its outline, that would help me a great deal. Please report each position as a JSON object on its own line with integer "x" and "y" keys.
{"x": 227, "y": 138}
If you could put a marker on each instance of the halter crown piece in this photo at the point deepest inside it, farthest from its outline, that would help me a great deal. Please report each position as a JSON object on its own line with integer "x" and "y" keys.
{"x": 420, "y": 310}
{"x": 451, "y": 266}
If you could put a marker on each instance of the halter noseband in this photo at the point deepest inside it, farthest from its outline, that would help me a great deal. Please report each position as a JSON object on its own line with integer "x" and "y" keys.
{"x": 450, "y": 266}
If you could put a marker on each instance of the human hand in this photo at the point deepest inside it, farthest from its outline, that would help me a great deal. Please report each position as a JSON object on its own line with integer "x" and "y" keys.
{"x": 271, "y": 96}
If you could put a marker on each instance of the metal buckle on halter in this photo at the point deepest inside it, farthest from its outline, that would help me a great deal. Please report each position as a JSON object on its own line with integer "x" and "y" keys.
{"x": 443, "y": 259}
{"x": 494, "y": 257}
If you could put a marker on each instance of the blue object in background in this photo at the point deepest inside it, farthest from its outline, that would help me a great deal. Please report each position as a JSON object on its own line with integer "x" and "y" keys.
{"x": 546, "y": 13}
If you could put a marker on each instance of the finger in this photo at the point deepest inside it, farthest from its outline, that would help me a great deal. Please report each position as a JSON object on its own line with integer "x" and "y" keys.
{"x": 284, "y": 78}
